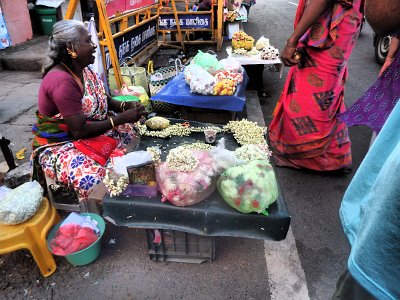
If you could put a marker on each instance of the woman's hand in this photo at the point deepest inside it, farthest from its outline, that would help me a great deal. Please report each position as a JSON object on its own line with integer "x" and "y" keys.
{"x": 287, "y": 56}
{"x": 132, "y": 105}
{"x": 131, "y": 115}
{"x": 386, "y": 65}
{"x": 392, "y": 52}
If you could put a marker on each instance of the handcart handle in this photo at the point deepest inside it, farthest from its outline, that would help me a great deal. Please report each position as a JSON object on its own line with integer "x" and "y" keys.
{"x": 150, "y": 67}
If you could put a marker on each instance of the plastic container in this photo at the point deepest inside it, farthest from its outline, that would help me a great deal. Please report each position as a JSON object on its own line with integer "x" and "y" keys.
{"x": 177, "y": 246}
{"x": 126, "y": 98}
{"x": 47, "y": 17}
{"x": 89, "y": 254}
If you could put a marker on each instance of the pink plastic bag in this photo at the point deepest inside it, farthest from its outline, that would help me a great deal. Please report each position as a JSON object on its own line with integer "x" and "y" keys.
{"x": 187, "y": 188}
{"x": 72, "y": 238}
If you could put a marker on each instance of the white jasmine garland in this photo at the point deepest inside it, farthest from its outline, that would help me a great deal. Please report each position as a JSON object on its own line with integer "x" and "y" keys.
{"x": 246, "y": 132}
{"x": 253, "y": 152}
{"x": 115, "y": 184}
{"x": 181, "y": 160}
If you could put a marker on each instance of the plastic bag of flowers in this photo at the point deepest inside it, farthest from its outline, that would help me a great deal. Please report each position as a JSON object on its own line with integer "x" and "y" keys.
{"x": 208, "y": 61}
{"x": 190, "y": 71}
{"x": 21, "y": 203}
{"x": 186, "y": 177}
{"x": 202, "y": 83}
{"x": 250, "y": 187}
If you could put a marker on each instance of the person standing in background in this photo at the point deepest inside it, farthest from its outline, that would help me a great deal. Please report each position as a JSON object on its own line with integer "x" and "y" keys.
{"x": 305, "y": 132}
{"x": 248, "y": 4}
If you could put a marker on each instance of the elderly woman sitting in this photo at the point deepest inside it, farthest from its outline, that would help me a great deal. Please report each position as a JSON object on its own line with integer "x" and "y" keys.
{"x": 77, "y": 127}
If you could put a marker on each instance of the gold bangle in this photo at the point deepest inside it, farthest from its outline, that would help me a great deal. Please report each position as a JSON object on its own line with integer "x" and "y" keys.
{"x": 112, "y": 123}
{"x": 122, "y": 106}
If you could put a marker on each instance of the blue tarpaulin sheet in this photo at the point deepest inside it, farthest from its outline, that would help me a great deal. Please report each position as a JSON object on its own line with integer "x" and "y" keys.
{"x": 177, "y": 91}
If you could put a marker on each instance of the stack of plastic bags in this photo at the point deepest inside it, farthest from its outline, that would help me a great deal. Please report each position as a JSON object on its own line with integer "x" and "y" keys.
{"x": 208, "y": 76}
{"x": 76, "y": 233}
{"x": 244, "y": 178}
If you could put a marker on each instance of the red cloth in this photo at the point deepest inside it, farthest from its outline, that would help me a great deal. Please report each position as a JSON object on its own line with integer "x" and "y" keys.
{"x": 59, "y": 93}
{"x": 72, "y": 238}
{"x": 98, "y": 148}
{"x": 305, "y": 132}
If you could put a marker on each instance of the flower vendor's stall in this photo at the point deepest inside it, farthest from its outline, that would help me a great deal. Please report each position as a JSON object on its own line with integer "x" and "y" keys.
{"x": 248, "y": 215}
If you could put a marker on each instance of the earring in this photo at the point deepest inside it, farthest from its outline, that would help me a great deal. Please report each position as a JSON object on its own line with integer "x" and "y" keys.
{"x": 72, "y": 53}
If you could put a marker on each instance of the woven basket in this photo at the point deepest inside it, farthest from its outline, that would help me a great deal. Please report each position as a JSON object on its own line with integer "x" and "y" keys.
{"x": 131, "y": 76}
{"x": 157, "y": 80}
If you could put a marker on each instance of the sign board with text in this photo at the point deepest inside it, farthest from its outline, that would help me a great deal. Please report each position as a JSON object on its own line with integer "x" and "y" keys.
{"x": 130, "y": 43}
{"x": 186, "y": 21}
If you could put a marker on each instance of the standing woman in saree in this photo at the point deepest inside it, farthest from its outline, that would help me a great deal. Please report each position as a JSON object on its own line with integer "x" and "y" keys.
{"x": 305, "y": 132}
{"x": 78, "y": 124}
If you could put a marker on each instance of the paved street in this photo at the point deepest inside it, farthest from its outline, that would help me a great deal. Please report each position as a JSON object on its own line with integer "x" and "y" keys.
{"x": 304, "y": 266}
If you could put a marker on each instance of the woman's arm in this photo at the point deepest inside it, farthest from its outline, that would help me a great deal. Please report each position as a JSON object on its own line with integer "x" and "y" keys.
{"x": 394, "y": 47}
{"x": 114, "y": 105}
{"x": 79, "y": 128}
{"x": 313, "y": 10}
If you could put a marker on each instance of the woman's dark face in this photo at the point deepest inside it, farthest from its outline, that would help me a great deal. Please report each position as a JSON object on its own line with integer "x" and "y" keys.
{"x": 85, "y": 49}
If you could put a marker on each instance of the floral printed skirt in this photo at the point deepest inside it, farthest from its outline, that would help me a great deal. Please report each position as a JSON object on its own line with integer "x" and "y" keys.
{"x": 71, "y": 168}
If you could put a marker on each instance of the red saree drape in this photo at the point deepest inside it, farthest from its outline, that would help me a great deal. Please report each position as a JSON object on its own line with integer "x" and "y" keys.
{"x": 304, "y": 132}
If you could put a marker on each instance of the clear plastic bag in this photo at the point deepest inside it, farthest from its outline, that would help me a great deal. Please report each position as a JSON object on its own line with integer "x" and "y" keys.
{"x": 190, "y": 71}
{"x": 202, "y": 83}
{"x": 21, "y": 203}
{"x": 262, "y": 43}
{"x": 231, "y": 65}
{"x": 250, "y": 187}
{"x": 223, "y": 158}
{"x": 187, "y": 188}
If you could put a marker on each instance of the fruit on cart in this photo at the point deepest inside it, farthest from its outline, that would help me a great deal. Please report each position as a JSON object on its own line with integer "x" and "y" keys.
{"x": 157, "y": 123}
{"x": 236, "y": 77}
{"x": 242, "y": 40}
{"x": 225, "y": 87}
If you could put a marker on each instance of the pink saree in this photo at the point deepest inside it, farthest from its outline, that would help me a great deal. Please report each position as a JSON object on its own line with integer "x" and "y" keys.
{"x": 305, "y": 132}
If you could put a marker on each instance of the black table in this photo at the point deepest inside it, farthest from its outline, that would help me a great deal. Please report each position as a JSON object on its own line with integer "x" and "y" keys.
{"x": 211, "y": 217}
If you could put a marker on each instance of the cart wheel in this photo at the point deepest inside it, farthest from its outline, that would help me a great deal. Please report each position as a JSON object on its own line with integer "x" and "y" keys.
{"x": 381, "y": 48}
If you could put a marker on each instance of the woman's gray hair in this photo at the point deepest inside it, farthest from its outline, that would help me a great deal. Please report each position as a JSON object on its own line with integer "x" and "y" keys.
{"x": 65, "y": 33}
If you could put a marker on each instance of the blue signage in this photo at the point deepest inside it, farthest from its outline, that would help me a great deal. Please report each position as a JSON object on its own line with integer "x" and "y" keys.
{"x": 133, "y": 41}
{"x": 187, "y": 21}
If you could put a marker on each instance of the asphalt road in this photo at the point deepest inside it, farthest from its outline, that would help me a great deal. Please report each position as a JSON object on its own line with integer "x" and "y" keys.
{"x": 243, "y": 268}
{"x": 313, "y": 199}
